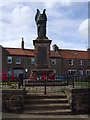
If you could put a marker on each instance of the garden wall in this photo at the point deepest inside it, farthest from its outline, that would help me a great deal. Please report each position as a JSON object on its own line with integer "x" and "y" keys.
{"x": 13, "y": 100}
{"x": 79, "y": 100}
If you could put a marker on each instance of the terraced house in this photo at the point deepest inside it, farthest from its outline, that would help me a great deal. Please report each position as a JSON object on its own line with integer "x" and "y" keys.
{"x": 20, "y": 60}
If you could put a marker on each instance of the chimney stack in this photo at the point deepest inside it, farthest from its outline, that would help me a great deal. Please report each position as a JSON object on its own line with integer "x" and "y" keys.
{"x": 88, "y": 49}
{"x": 22, "y": 44}
{"x": 55, "y": 47}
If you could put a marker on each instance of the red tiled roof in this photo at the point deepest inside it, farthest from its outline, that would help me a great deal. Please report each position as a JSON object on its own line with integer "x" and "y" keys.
{"x": 55, "y": 54}
{"x": 27, "y": 52}
{"x": 19, "y": 51}
{"x": 62, "y": 53}
{"x": 74, "y": 54}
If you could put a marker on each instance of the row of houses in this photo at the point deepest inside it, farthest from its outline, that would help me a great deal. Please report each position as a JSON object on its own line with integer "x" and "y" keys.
{"x": 63, "y": 61}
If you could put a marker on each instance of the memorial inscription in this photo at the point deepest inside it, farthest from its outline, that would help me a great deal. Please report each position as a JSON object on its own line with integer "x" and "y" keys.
{"x": 42, "y": 55}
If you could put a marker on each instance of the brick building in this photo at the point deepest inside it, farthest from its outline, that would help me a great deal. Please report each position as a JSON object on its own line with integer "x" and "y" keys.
{"x": 21, "y": 60}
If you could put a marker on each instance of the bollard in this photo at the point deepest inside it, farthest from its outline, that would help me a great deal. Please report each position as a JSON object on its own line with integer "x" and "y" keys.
{"x": 45, "y": 87}
{"x": 20, "y": 80}
{"x": 73, "y": 82}
{"x": 67, "y": 81}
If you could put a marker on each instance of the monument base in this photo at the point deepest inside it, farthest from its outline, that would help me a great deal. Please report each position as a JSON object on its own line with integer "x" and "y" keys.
{"x": 42, "y": 53}
{"x": 42, "y": 71}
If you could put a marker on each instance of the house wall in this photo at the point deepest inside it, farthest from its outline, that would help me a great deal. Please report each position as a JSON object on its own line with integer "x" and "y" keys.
{"x": 25, "y": 63}
{"x": 75, "y": 66}
{"x": 0, "y": 61}
{"x": 61, "y": 65}
{"x": 4, "y": 60}
{"x": 57, "y": 66}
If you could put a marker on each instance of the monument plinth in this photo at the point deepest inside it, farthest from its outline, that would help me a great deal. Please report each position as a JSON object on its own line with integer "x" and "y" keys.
{"x": 42, "y": 53}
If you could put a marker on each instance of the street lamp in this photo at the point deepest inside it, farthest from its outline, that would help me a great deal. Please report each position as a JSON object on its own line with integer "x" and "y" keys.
{"x": 26, "y": 70}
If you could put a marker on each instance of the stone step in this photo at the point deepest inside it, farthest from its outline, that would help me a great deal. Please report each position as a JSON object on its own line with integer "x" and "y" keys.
{"x": 43, "y": 101}
{"x": 48, "y": 112}
{"x": 49, "y": 104}
{"x": 46, "y": 106}
{"x": 37, "y": 96}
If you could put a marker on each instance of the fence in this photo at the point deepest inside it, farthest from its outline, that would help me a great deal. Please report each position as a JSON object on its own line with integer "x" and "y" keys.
{"x": 46, "y": 82}
{"x": 8, "y": 80}
{"x": 79, "y": 81}
{"x": 74, "y": 81}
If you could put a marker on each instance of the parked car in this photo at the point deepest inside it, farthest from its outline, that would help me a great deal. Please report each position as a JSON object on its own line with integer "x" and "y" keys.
{"x": 60, "y": 76}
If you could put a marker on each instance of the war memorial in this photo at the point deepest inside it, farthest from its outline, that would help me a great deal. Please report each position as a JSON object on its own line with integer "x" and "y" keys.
{"x": 50, "y": 97}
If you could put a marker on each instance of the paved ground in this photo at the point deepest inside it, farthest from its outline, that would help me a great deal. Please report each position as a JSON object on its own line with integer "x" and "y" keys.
{"x": 8, "y": 116}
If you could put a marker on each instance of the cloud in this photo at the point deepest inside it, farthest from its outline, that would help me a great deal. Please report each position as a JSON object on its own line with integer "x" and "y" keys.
{"x": 62, "y": 44}
{"x": 22, "y": 16}
{"x": 49, "y": 4}
{"x": 64, "y": 27}
{"x": 15, "y": 43}
{"x": 17, "y": 22}
{"x": 66, "y": 34}
{"x": 83, "y": 28}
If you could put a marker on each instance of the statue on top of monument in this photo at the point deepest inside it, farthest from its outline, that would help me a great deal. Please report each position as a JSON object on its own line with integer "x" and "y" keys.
{"x": 41, "y": 23}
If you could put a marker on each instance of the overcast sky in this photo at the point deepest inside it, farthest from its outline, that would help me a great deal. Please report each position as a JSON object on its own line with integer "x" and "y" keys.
{"x": 67, "y": 23}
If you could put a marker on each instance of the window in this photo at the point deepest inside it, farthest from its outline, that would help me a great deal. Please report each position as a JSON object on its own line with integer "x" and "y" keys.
{"x": 18, "y": 60}
{"x": 87, "y": 72}
{"x": 81, "y": 72}
{"x": 53, "y": 61}
{"x": 80, "y": 62}
{"x": 54, "y": 71}
{"x": 32, "y": 60}
{"x": 9, "y": 59}
{"x": 70, "y": 61}
{"x": 72, "y": 72}
{"x": 88, "y": 62}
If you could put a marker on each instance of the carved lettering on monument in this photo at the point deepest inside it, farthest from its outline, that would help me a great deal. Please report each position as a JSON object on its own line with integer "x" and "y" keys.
{"x": 42, "y": 55}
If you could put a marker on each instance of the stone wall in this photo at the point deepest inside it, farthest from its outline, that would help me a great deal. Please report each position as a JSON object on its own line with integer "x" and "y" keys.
{"x": 79, "y": 100}
{"x": 13, "y": 100}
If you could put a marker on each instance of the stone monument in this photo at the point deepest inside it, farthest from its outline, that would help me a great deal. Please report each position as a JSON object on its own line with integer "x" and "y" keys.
{"x": 41, "y": 45}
